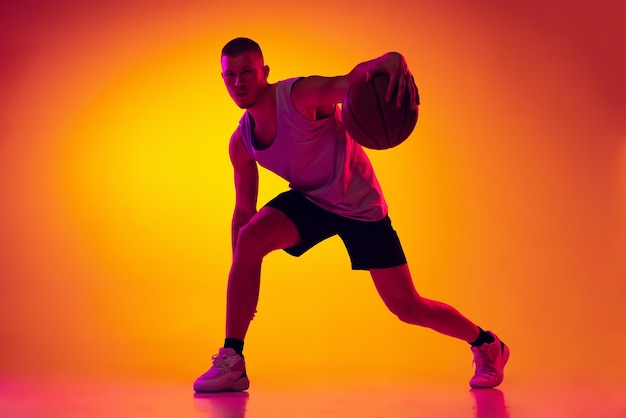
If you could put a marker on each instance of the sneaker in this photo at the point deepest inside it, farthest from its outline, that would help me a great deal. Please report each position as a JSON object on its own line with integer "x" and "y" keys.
{"x": 490, "y": 359}
{"x": 228, "y": 374}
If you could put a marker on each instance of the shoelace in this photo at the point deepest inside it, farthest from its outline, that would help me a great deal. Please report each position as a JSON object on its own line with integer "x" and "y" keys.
{"x": 484, "y": 363}
{"x": 223, "y": 362}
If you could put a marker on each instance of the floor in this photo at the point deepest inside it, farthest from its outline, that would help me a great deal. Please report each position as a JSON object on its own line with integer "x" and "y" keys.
{"x": 77, "y": 398}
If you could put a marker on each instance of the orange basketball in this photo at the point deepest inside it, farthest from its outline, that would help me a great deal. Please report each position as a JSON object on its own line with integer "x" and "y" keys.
{"x": 372, "y": 121}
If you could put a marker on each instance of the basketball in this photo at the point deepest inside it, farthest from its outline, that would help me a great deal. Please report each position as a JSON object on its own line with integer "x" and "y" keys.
{"x": 372, "y": 121}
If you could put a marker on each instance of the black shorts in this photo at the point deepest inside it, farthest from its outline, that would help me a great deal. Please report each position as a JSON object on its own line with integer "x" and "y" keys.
{"x": 370, "y": 245}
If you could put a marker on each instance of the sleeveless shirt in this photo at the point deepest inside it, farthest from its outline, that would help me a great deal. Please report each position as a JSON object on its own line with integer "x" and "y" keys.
{"x": 319, "y": 159}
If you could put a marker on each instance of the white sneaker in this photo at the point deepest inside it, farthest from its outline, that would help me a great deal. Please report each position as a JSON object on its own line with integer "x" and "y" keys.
{"x": 490, "y": 359}
{"x": 228, "y": 374}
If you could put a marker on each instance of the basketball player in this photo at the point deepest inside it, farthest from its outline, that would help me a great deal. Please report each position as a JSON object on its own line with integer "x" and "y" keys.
{"x": 293, "y": 128}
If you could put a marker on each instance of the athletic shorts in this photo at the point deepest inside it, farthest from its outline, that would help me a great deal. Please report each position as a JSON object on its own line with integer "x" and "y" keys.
{"x": 370, "y": 245}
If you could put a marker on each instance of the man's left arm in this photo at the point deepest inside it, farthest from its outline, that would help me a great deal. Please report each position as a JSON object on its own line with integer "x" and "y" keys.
{"x": 314, "y": 92}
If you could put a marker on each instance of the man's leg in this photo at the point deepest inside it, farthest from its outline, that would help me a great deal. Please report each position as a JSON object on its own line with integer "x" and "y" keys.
{"x": 395, "y": 286}
{"x": 270, "y": 229}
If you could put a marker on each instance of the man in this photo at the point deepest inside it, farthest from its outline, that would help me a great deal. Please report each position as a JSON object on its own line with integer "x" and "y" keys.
{"x": 293, "y": 128}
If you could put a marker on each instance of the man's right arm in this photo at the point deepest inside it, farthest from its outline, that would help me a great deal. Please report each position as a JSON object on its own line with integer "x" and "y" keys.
{"x": 246, "y": 184}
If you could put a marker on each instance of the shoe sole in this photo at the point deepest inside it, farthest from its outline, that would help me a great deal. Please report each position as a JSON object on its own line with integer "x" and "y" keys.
{"x": 237, "y": 386}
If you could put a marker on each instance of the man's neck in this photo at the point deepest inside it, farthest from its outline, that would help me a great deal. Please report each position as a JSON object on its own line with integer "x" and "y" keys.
{"x": 265, "y": 106}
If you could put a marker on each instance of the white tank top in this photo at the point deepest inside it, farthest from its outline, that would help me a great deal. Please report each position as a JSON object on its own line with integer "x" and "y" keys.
{"x": 318, "y": 159}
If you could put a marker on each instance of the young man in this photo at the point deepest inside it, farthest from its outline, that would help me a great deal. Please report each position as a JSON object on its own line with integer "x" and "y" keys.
{"x": 293, "y": 128}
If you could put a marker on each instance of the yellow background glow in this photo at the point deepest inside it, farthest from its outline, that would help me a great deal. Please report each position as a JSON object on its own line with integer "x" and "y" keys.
{"x": 116, "y": 188}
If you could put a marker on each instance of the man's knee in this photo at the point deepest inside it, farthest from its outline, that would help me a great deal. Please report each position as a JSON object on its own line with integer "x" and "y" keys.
{"x": 253, "y": 241}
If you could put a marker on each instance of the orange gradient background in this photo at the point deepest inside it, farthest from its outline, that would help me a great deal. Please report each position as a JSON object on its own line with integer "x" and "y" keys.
{"x": 116, "y": 189}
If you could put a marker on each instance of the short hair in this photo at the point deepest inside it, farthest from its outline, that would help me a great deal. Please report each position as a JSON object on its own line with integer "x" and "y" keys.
{"x": 239, "y": 46}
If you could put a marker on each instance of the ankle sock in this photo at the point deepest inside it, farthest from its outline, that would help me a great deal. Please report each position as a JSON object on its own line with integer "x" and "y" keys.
{"x": 234, "y": 343}
{"x": 483, "y": 337}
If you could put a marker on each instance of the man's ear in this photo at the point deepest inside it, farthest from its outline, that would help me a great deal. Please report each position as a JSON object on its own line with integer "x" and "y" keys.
{"x": 266, "y": 71}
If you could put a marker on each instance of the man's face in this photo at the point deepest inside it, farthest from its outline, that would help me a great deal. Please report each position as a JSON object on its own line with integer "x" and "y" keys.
{"x": 244, "y": 76}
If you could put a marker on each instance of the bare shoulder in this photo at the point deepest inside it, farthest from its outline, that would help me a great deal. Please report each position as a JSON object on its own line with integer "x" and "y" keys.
{"x": 236, "y": 136}
{"x": 313, "y": 93}
{"x": 236, "y": 143}
{"x": 238, "y": 153}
